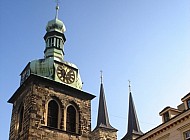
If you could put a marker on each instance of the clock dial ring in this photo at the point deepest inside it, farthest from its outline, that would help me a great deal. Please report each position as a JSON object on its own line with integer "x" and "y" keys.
{"x": 66, "y": 74}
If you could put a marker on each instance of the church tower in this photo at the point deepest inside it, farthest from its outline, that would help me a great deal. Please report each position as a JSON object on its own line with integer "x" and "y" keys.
{"x": 50, "y": 103}
{"x": 103, "y": 129}
{"x": 133, "y": 131}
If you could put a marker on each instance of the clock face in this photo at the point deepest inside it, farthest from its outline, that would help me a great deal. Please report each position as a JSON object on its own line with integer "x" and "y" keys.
{"x": 25, "y": 75}
{"x": 66, "y": 74}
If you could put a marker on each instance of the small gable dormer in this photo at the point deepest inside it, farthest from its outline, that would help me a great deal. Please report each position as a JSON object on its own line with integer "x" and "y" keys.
{"x": 186, "y": 101}
{"x": 168, "y": 113}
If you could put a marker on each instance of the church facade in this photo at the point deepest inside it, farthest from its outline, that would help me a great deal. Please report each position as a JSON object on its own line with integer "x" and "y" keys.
{"x": 51, "y": 105}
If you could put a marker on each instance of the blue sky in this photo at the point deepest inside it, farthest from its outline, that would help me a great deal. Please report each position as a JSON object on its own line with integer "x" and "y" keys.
{"x": 146, "y": 41}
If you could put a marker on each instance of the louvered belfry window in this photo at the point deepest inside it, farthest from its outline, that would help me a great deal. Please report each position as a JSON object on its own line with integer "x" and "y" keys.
{"x": 53, "y": 111}
{"x": 71, "y": 119}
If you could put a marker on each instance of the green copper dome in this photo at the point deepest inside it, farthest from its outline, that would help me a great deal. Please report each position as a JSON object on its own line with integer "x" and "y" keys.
{"x": 55, "y": 25}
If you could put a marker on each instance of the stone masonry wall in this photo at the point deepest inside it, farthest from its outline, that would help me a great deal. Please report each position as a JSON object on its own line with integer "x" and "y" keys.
{"x": 103, "y": 134}
{"x": 23, "y": 100}
{"x": 38, "y": 118}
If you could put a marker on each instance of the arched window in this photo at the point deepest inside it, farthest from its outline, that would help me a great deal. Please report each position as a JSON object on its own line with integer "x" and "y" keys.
{"x": 20, "y": 118}
{"x": 53, "y": 110}
{"x": 71, "y": 119}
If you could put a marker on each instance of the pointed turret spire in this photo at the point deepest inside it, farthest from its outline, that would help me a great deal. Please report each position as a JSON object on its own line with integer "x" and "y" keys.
{"x": 133, "y": 124}
{"x": 103, "y": 119}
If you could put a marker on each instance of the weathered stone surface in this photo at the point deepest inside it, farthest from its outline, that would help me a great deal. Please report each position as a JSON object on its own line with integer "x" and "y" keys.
{"x": 35, "y": 100}
{"x": 103, "y": 134}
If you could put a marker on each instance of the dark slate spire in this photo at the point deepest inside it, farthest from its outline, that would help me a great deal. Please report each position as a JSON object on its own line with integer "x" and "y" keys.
{"x": 133, "y": 124}
{"x": 103, "y": 119}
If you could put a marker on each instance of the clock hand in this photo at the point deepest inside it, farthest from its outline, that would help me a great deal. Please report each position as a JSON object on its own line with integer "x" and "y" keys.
{"x": 63, "y": 72}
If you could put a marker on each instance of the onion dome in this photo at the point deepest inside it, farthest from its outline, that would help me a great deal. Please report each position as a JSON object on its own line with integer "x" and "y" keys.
{"x": 56, "y": 24}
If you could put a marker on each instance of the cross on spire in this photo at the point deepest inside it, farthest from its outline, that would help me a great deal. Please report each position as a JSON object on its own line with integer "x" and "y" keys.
{"x": 57, "y": 1}
{"x": 57, "y": 8}
{"x": 101, "y": 77}
{"x": 129, "y": 86}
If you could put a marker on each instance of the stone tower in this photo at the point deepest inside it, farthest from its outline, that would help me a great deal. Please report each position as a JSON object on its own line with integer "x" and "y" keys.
{"x": 50, "y": 103}
{"x": 103, "y": 129}
{"x": 133, "y": 131}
